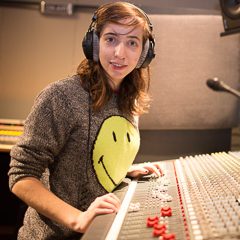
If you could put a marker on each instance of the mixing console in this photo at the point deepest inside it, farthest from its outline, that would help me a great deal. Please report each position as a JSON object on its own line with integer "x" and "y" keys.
{"x": 10, "y": 130}
{"x": 197, "y": 198}
{"x": 9, "y": 136}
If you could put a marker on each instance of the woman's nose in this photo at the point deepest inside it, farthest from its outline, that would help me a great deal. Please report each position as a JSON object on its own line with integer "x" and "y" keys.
{"x": 120, "y": 51}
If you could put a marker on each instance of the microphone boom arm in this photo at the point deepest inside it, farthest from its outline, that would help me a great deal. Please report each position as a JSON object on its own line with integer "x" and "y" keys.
{"x": 217, "y": 85}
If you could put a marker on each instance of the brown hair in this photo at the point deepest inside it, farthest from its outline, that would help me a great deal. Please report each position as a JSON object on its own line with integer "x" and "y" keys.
{"x": 134, "y": 90}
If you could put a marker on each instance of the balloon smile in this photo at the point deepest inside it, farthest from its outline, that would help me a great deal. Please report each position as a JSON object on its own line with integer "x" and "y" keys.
{"x": 101, "y": 161}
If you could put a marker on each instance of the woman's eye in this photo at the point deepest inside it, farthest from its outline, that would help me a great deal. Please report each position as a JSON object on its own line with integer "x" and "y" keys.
{"x": 110, "y": 40}
{"x": 132, "y": 43}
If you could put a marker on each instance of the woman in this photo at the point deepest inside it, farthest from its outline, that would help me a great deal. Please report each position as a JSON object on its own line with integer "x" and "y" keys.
{"x": 81, "y": 136}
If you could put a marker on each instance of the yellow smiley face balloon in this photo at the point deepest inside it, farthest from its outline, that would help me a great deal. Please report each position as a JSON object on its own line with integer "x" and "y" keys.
{"x": 114, "y": 151}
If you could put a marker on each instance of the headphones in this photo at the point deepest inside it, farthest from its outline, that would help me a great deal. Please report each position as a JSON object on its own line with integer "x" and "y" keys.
{"x": 90, "y": 43}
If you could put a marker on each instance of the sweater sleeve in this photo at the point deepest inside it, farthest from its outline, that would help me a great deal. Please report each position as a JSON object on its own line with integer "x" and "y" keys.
{"x": 46, "y": 130}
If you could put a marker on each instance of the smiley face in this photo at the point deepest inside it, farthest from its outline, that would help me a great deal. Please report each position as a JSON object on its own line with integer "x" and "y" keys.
{"x": 114, "y": 151}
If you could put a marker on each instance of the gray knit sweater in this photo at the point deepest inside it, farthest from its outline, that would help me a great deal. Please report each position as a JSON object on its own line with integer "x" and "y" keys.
{"x": 54, "y": 149}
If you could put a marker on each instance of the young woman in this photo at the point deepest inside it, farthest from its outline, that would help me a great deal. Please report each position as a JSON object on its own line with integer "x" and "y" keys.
{"x": 81, "y": 136}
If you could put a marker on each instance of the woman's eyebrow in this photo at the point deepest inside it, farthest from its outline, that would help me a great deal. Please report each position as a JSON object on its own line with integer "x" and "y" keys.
{"x": 135, "y": 37}
{"x": 117, "y": 34}
{"x": 111, "y": 33}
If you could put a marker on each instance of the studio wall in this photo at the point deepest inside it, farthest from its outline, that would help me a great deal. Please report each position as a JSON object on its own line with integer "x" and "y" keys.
{"x": 37, "y": 49}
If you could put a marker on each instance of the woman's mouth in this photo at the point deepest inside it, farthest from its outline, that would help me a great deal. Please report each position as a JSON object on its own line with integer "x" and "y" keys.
{"x": 118, "y": 66}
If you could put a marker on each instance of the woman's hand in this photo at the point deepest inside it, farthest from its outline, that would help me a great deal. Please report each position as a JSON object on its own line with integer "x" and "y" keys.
{"x": 145, "y": 169}
{"x": 36, "y": 195}
{"x": 108, "y": 203}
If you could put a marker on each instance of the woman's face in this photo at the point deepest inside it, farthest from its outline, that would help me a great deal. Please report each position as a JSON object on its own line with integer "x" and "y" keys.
{"x": 120, "y": 47}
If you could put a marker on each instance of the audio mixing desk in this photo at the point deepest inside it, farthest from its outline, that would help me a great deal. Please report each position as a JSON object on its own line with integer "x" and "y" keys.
{"x": 10, "y": 130}
{"x": 197, "y": 198}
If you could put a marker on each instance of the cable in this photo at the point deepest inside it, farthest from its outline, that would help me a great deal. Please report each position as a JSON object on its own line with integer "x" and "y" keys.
{"x": 89, "y": 115}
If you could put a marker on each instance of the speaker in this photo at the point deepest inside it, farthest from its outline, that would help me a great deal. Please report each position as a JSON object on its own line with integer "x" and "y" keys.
{"x": 230, "y": 10}
{"x": 90, "y": 43}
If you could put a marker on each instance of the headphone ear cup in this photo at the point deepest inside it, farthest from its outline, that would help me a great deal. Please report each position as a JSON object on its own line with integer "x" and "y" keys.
{"x": 87, "y": 45}
{"x": 95, "y": 47}
{"x": 143, "y": 55}
{"x": 90, "y": 45}
{"x": 147, "y": 55}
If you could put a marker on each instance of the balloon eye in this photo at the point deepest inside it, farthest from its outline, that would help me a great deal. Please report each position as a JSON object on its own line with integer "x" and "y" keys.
{"x": 128, "y": 136}
{"x": 114, "y": 137}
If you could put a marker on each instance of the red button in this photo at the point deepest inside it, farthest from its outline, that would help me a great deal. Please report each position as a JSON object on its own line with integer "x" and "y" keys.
{"x": 159, "y": 227}
{"x": 157, "y": 233}
{"x": 167, "y": 213}
{"x": 151, "y": 221}
{"x": 170, "y": 236}
{"x": 166, "y": 209}
{"x": 153, "y": 218}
